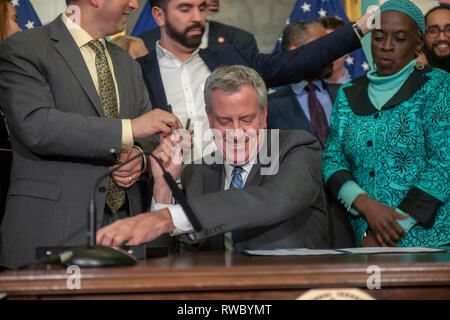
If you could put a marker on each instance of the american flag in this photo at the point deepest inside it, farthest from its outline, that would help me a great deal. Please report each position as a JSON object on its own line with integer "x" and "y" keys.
{"x": 26, "y": 16}
{"x": 145, "y": 21}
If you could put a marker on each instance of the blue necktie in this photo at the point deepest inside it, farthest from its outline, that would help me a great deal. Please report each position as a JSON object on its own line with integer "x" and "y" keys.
{"x": 236, "y": 183}
{"x": 236, "y": 179}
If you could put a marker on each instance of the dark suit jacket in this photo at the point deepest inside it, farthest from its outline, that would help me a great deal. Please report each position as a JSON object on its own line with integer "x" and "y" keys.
{"x": 282, "y": 210}
{"x": 5, "y": 165}
{"x": 217, "y": 32}
{"x": 285, "y": 113}
{"x": 60, "y": 138}
{"x": 276, "y": 69}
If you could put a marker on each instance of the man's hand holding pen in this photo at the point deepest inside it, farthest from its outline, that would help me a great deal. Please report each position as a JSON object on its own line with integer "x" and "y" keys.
{"x": 156, "y": 121}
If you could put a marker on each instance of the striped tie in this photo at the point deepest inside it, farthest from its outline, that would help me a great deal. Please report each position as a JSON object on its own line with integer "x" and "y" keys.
{"x": 236, "y": 183}
{"x": 115, "y": 198}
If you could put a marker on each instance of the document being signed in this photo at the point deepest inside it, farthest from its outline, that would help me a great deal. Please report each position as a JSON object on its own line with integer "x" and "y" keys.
{"x": 314, "y": 252}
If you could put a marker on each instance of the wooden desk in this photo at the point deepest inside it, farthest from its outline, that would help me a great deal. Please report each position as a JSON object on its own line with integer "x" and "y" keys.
{"x": 237, "y": 276}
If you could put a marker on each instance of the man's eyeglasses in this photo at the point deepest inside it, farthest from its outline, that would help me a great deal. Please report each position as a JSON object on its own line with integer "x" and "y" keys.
{"x": 434, "y": 31}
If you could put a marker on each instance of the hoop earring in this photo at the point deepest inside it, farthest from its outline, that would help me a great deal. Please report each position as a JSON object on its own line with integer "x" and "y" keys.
{"x": 419, "y": 65}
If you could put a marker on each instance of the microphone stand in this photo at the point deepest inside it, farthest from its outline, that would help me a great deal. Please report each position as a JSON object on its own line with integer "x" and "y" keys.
{"x": 93, "y": 255}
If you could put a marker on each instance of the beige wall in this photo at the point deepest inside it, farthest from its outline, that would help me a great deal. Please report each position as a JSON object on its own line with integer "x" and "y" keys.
{"x": 264, "y": 18}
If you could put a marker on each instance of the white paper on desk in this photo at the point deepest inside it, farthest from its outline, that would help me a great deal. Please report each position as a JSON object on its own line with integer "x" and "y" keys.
{"x": 368, "y": 250}
{"x": 292, "y": 252}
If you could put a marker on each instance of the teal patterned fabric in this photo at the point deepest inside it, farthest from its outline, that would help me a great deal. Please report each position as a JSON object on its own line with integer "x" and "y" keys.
{"x": 409, "y": 147}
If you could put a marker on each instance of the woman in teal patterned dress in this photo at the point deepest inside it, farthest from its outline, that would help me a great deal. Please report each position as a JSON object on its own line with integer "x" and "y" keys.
{"x": 387, "y": 157}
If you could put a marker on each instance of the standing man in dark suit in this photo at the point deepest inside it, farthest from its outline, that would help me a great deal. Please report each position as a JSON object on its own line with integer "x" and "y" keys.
{"x": 244, "y": 199}
{"x": 340, "y": 74}
{"x": 215, "y": 33}
{"x": 305, "y": 105}
{"x": 175, "y": 72}
{"x": 76, "y": 106}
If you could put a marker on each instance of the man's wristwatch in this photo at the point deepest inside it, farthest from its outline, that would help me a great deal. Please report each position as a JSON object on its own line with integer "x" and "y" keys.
{"x": 358, "y": 30}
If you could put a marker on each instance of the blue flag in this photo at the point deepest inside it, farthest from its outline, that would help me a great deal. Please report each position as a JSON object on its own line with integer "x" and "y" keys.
{"x": 26, "y": 16}
{"x": 304, "y": 10}
{"x": 145, "y": 21}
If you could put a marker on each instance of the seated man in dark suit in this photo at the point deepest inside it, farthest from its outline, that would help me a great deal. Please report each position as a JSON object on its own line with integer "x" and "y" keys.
{"x": 243, "y": 198}
{"x": 305, "y": 105}
{"x": 215, "y": 33}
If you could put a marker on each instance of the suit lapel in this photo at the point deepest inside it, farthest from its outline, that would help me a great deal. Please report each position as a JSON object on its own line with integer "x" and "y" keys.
{"x": 70, "y": 52}
{"x": 152, "y": 74}
{"x": 216, "y": 180}
{"x": 216, "y": 32}
{"x": 122, "y": 83}
{"x": 212, "y": 35}
{"x": 296, "y": 115}
{"x": 254, "y": 176}
{"x": 210, "y": 58}
{"x": 332, "y": 89}
{"x": 290, "y": 109}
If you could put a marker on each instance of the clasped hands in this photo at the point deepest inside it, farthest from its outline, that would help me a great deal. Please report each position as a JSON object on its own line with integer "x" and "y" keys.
{"x": 382, "y": 220}
{"x": 153, "y": 122}
{"x": 148, "y": 226}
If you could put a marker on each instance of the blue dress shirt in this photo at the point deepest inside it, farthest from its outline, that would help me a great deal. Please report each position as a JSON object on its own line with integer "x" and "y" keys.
{"x": 321, "y": 93}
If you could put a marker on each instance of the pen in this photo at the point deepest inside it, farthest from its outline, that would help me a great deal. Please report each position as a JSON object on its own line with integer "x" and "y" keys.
{"x": 188, "y": 123}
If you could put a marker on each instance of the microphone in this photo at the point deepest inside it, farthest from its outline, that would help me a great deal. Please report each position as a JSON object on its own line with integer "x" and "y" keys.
{"x": 93, "y": 255}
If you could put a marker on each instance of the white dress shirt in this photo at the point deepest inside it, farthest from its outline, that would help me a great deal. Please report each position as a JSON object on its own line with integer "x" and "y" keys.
{"x": 204, "y": 43}
{"x": 321, "y": 94}
{"x": 183, "y": 84}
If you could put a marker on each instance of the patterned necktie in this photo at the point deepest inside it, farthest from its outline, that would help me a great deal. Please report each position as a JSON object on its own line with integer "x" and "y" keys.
{"x": 317, "y": 114}
{"x": 236, "y": 183}
{"x": 115, "y": 198}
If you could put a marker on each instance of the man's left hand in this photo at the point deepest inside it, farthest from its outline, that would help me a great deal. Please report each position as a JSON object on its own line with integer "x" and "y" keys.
{"x": 126, "y": 176}
{"x": 139, "y": 229}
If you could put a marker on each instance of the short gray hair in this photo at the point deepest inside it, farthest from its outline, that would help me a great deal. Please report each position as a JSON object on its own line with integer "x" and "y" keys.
{"x": 230, "y": 79}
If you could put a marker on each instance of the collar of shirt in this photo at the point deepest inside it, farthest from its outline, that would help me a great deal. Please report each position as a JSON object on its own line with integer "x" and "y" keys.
{"x": 204, "y": 43}
{"x": 229, "y": 172}
{"x": 80, "y": 35}
{"x": 345, "y": 78}
{"x": 168, "y": 58}
{"x": 299, "y": 88}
